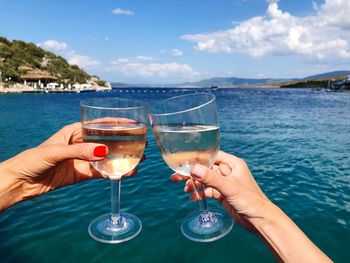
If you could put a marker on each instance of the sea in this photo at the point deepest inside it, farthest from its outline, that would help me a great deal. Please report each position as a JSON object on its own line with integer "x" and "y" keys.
{"x": 295, "y": 141}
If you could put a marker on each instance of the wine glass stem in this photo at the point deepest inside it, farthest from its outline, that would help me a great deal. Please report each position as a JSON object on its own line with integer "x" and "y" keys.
{"x": 205, "y": 218}
{"x": 203, "y": 205}
{"x": 115, "y": 201}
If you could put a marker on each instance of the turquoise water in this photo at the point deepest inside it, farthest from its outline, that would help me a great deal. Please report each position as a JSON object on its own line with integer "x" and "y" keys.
{"x": 296, "y": 142}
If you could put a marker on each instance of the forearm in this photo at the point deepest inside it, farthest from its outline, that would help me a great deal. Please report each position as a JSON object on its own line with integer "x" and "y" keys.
{"x": 285, "y": 238}
{"x": 10, "y": 188}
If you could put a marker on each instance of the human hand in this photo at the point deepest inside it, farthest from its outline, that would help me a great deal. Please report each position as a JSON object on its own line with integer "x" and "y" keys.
{"x": 61, "y": 160}
{"x": 231, "y": 183}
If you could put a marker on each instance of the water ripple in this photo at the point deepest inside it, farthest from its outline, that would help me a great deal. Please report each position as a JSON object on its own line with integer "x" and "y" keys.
{"x": 296, "y": 142}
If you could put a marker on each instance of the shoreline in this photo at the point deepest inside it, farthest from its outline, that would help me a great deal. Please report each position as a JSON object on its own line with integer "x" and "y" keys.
{"x": 16, "y": 89}
{"x": 20, "y": 88}
{"x": 234, "y": 86}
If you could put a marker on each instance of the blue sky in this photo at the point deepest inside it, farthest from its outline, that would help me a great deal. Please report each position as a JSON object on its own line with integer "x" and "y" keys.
{"x": 173, "y": 41}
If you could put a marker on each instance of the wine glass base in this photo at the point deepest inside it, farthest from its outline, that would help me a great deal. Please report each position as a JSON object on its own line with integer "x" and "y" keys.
{"x": 103, "y": 229}
{"x": 206, "y": 227}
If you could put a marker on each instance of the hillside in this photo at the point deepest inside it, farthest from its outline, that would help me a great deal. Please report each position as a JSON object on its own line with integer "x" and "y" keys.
{"x": 329, "y": 75}
{"x": 319, "y": 80}
{"x": 233, "y": 81}
{"x": 18, "y": 57}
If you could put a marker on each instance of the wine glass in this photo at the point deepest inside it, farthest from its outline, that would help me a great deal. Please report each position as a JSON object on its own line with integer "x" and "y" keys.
{"x": 186, "y": 131}
{"x": 121, "y": 125}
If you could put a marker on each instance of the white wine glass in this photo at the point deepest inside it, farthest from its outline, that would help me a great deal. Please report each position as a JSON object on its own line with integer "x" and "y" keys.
{"x": 120, "y": 124}
{"x": 187, "y": 132}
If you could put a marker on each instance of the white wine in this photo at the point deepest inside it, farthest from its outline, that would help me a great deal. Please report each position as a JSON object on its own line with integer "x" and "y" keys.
{"x": 125, "y": 142}
{"x": 184, "y": 146}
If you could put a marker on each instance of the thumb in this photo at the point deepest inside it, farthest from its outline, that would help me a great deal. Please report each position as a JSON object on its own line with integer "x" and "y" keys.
{"x": 210, "y": 178}
{"x": 56, "y": 153}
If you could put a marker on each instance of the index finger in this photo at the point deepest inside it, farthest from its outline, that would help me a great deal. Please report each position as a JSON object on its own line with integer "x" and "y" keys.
{"x": 68, "y": 134}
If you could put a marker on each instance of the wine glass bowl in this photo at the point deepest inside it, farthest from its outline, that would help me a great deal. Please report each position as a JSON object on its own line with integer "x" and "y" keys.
{"x": 125, "y": 142}
{"x": 120, "y": 124}
{"x": 186, "y": 131}
{"x": 182, "y": 146}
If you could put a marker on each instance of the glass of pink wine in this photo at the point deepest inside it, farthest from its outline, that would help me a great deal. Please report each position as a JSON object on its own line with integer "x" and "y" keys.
{"x": 121, "y": 124}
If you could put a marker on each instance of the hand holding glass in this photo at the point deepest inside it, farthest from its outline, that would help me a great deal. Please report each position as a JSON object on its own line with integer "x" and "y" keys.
{"x": 187, "y": 133}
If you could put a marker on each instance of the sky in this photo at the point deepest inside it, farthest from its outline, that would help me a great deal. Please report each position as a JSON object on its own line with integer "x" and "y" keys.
{"x": 174, "y": 41}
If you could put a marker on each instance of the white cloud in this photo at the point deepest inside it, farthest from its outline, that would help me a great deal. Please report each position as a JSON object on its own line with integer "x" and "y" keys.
{"x": 336, "y": 13}
{"x": 145, "y": 58}
{"x": 119, "y": 11}
{"x": 134, "y": 67}
{"x": 314, "y": 5}
{"x": 323, "y": 35}
{"x": 83, "y": 61}
{"x": 260, "y": 75}
{"x": 52, "y": 45}
{"x": 176, "y": 52}
{"x": 73, "y": 58}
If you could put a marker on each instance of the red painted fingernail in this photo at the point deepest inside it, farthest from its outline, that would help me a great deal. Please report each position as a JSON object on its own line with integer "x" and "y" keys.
{"x": 100, "y": 151}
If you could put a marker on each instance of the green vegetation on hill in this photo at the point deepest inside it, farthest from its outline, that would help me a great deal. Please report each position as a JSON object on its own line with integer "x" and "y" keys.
{"x": 322, "y": 82}
{"x": 16, "y": 53}
{"x": 306, "y": 84}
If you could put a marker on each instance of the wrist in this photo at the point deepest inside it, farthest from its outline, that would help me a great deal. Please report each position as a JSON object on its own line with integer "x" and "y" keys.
{"x": 284, "y": 238}
{"x": 10, "y": 187}
{"x": 272, "y": 228}
{"x": 268, "y": 216}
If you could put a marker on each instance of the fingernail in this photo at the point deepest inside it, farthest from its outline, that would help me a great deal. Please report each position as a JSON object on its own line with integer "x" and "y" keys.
{"x": 185, "y": 188}
{"x": 198, "y": 171}
{"x": 100, "y": 151}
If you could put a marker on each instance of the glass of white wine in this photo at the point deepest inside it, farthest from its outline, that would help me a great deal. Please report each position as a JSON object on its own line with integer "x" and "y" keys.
{"x": 187, "y": 132}
{"x": 121, "y": 124}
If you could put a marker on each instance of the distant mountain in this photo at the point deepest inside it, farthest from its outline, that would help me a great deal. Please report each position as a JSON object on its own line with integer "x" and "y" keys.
{"x": 120, "y": 85}
{"x": 332, "y": 74}
{"x": 313, "y": 80}
{"x": 233, "y": 81}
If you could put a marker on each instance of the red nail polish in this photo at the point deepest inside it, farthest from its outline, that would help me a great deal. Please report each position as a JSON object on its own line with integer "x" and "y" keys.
{"x": 100, "y": 151}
